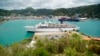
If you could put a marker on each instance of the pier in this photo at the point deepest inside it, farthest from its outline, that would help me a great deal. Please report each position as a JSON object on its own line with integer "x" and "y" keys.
{"x": 59, "y": 34}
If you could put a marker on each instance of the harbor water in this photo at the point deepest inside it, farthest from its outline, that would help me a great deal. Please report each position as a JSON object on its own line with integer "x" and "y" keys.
{"x": 14, "y": 31}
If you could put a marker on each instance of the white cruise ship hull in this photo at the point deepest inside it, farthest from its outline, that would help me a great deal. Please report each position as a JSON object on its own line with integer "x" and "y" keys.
{"x": 33, "y": 29}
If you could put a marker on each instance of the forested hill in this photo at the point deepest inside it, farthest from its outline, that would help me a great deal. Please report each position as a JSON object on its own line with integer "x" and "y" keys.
{"x": 83, "y": 11}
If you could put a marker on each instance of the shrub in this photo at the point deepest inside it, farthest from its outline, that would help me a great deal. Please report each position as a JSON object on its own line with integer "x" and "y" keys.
{"x": 75, "y": 35}
{"x": 76, "y": 42}
{"x": 61, "y": 44}
{"x": 41, "y": 52}
{"x": 27, "y": 52}
{"x": 4, "y": 51}
{"x": 39, "y": 43}
{"x": 51, "y": 47}
{"x": 17, "y": 49}
{"x": 94, "y": 48}
{"x": 70, "y": 51}
{"x": 25, "y": 41}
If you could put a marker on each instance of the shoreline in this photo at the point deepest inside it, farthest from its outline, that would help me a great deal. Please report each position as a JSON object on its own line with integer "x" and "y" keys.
{"x": 1, "y": 22}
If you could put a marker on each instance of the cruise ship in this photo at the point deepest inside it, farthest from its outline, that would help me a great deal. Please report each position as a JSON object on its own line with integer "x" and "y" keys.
{"x": 51, "y": 27}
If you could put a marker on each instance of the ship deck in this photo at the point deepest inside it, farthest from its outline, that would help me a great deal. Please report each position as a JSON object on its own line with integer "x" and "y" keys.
{"x": 58, "y": 26}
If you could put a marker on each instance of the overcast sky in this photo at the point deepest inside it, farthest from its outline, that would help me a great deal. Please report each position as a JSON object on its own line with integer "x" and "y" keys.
{"x": 49, "y": 4}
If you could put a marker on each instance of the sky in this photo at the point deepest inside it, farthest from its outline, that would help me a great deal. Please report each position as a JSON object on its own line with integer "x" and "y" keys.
{"x": 48, "y": 4}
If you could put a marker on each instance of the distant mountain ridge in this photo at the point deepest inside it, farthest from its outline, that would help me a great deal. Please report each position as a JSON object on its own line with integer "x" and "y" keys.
{"x": 84, "y": 11}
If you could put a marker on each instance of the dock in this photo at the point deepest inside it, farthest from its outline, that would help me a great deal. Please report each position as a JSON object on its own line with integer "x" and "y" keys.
{"x": 49, "y": 33}
{"x": 59, "y": 34}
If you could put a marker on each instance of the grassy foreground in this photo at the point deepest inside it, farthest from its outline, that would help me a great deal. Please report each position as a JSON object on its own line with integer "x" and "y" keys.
{"x": 67, "y": 45}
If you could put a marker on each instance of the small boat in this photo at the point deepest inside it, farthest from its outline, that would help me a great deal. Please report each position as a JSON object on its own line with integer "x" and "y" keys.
{"x": 83, "y": 18}
{"x": 51, "y": 27}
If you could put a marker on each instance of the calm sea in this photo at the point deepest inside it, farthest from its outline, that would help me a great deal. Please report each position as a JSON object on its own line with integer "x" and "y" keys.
{"x": 13, "y": 31}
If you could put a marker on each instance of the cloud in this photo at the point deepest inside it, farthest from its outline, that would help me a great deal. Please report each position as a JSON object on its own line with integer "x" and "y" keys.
{"x": 49, "y": 4}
